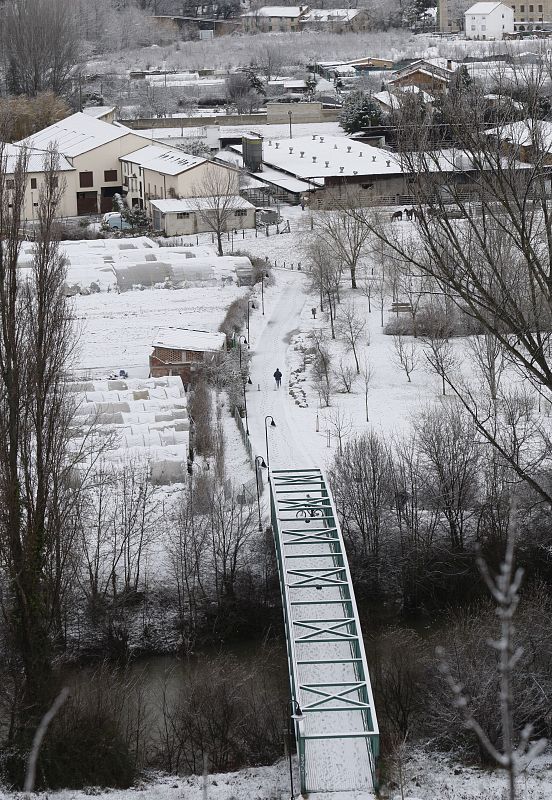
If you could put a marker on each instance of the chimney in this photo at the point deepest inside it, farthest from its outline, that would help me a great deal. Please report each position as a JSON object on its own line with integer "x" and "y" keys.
{"x": 360, "y": 154}
{"x": 321, "y": 138}
{"x": 270, "y": 142}
{"x": 335, "y": 147}
{"x": 355, "y": 172}
{"x": 327, "y": 163}
{"x": 302, "y": 153}
{"x": 276, "y": 145}
{"x": 388, "y": 163}
{"x": 314, "y": 159}
{"x": 341, "y": 169}
{"x": 349, "y": 148}
{"x": 314, "y": 137}
{"x": 373, "y": 158}
{"x": 290, "y": 150}
{"x": 449, "y": 64}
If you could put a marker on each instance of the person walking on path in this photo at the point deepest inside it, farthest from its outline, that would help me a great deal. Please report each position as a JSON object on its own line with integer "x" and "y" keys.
{"x": 278, "y": 378}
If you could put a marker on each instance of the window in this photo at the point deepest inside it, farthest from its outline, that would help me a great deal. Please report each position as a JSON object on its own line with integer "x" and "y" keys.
{"x": 367, "y": 185}
{"x": 540, "y": 9}
{"x": 10, "y": 183}
{"x": 240, "y": 212}
{"x": 530, "y": 9}
{"x": 33, "y": 183}
{"x": 522, "y": 8}
{"x": 86, "y": 179}
{"x": 191, "y": 355}
{"x": 110, "y": 175}
{"x": 183, "y": 215}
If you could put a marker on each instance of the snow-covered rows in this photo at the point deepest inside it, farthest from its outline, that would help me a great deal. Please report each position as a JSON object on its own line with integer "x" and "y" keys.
{"x": 144, "y": 420}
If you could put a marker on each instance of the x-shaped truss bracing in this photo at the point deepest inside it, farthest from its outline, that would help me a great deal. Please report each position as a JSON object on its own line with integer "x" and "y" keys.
{"x": 329, "y": 678}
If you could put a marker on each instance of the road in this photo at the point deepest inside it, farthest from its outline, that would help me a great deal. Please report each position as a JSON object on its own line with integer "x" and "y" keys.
{"x": 291, "y": 443}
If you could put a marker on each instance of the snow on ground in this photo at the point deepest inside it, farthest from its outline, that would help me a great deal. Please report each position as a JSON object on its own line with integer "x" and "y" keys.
{"x": 428, "y": 776}
{"x": 116, "y": 330}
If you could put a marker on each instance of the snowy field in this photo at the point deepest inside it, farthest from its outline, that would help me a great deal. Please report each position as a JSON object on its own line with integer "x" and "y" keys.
{"x": 116, "y": 330}
{"x": 427, "y": 776}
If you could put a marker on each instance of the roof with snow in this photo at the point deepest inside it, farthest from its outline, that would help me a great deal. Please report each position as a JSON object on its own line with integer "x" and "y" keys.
{"x": 324, "y": 156}
{"x": 77, "y": 134}
{"x": 525, "y": 133}
{"x": 98, "y": 111}
{"x": 287, "y": 12}
{"x": 483, "y": 8}
{"x": 164, "y": 159}
{"x": 332, "y": 14}
{"x": 196, "y": 204}
{"x": 11, "y": 153}
{"x": 189, "y": 339}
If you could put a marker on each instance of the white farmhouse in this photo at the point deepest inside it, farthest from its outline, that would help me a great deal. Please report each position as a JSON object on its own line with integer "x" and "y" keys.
{"x": 489, "y": 21}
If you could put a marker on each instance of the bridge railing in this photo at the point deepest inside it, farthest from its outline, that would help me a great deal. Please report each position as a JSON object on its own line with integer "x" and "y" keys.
{"x": 333, "y": 541}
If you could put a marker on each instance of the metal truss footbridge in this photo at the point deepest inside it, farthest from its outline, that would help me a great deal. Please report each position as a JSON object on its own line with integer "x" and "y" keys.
{"x": 335, "y": 720}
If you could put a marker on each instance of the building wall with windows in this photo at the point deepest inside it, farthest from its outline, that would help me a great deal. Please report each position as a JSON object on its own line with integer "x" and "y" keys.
{"x": 490, "y": 21}
{"x": 145, "y": 184}
{"x": 451, "y": 13}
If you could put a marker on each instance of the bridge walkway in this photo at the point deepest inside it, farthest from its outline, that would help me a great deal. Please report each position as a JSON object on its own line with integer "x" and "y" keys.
{"x": 332, "y": 702}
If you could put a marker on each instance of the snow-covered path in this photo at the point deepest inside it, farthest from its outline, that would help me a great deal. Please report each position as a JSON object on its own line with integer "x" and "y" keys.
{"x": 291, "y": 443}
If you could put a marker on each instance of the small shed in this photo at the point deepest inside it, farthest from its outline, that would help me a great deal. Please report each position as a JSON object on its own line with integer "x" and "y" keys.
{"x": 193, "y": 215}
{"x": 179, "y": 351}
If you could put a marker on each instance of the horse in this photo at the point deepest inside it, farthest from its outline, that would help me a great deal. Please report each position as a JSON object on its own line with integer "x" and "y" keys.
{"x": 409, "y": 213}
{"x": 397, "y": 215}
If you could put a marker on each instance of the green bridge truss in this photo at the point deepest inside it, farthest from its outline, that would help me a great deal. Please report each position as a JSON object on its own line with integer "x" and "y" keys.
{"x": 335, "y": 720}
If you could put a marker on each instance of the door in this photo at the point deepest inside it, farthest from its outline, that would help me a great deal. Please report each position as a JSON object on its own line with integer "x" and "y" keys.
{"x": 87, "y": 203}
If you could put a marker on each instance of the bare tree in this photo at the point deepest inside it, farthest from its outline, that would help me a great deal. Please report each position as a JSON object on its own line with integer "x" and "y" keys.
{"x": 346, "y": 236}
{"x": 322, "y": 367}
{"x": 217, "y": 200}
{"x": 449, "y": 451}
{"x": 483, "y": 229}
{"x": 271, "y": 61}
{"x": 361, "y": 483}
{"x": 339, "y": 422}
{"x": 438, "y": 347}
{"x": 406, "y": 354}
{"x": 346, "y": 376}
{"x": 367, "y": 375}
{"x": 325, "y": 276}
{"x": 239, "y": 92}
{"x": 513, "y": 758}
{"x": 40, "y": 45}
{"x": 351, "y": 328}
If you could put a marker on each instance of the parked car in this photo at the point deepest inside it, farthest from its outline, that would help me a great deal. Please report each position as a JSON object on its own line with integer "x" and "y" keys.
{"x": 115, "y": 221}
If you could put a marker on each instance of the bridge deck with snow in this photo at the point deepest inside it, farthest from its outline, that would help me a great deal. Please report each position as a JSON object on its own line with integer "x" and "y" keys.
{"x": 333, "y": 708}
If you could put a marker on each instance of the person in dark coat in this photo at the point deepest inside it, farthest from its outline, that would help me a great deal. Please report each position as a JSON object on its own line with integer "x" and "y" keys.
{"x": 278, "y": 378}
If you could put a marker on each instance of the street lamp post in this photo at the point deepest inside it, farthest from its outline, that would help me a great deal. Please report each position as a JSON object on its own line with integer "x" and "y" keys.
{"x": 251, "y": 304}
{"x": 263, "y": 276}
{"x": 240, "y": 348}
{"x": 272, "y": 425}
{"x": 249, "y": 381}
{"x": 296, "y": 715}
{"x": 259, "y": 464}
{"x": 290, "y": 114}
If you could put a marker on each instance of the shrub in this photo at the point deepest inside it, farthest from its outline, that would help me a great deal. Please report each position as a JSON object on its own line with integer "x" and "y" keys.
{"x": 200, "y": 406}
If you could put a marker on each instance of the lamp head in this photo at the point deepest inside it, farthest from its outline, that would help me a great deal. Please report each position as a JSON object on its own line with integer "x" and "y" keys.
{"x": 272, "y": 424}
{"x": 249, "y": 381}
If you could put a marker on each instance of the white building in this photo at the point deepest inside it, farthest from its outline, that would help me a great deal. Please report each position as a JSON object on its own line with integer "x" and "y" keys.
{"x": 488, "y": 21}
{"x": 191, "y": 215}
